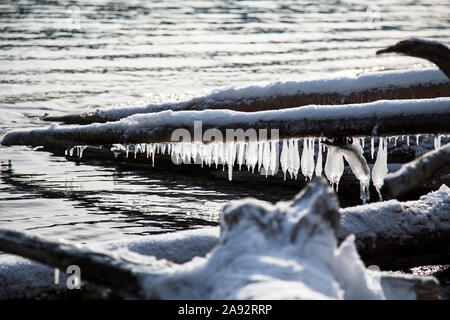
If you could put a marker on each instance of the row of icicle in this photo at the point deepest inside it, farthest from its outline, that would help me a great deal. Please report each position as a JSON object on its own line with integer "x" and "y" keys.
{"x": 263, "y": 157}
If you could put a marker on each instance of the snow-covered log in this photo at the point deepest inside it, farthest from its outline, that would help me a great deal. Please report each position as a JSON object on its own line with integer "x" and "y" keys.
{"x": 104, "y": 269}
{"x": 431, "y": 165}
{"x": 389, "y": 85}
{"x": 397, "y": 117}
{"x": 400, "y": 235}
{"x": 284, "y": 251}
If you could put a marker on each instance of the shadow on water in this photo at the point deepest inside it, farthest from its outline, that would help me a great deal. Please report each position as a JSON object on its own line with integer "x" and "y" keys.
{"x": 137, "y": 201}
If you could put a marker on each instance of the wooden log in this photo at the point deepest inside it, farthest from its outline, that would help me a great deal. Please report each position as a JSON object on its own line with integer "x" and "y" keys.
{"x": 400, "y": 235}
{"x": 431, "y": 116}
{"x": 417, "y": 172}
{"x": 101, "y": 268}
{"x": 411, "y": 84}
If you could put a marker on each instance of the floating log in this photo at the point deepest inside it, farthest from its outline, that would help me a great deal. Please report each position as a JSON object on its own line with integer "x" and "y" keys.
{"x": 391, "y": 85}
{"x": 433, "y": 51}
{"x": 417, "y": 172}
{"x": 400, "y": 235}
{"x": 282, "y": 251}
{"x": 381, "y": 118}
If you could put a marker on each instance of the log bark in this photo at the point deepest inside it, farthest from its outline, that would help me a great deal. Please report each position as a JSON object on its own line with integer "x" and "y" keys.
{"x": 378, "y": 118}
{"x": 417, "y": 172}
{"x": 100, "y": 268}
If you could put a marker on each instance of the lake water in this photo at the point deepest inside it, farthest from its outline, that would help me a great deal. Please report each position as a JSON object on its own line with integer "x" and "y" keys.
{"x": 61, "y": 57}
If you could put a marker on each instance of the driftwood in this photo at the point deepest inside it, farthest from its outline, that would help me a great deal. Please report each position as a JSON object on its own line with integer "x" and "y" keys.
{"x": 400, "y": 235}
{"x": 431, "y": 165}
{"x": 434, "y": 51}
{"x": 256, "y": 238}
{"x": 102, "y": 268}
{"x": 379, "y": 118}
{"x": 420, "y": 91}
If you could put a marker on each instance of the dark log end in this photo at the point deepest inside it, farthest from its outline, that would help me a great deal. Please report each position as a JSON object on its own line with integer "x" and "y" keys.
{"x": 433, "y": 51}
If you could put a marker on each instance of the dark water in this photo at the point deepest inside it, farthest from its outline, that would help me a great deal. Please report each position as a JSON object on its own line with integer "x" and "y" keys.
{"x": 62, "y": 57}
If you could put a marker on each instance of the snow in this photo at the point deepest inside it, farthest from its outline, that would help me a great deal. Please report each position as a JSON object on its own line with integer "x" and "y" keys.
{"x": 286, "y": 250}
{"x": 245, "y": 95}
{"x": 213, "y": 118}
{"x": 23, "y": 279}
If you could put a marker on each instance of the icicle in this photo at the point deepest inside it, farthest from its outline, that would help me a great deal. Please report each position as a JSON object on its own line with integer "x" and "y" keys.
{"x": 437, "y": 141}
{"x": 417, "y": 139}
{"x": 230, "y": 156}
{"x": 296, "y": 158}
{"x": 407, "y": 140}
{"x": 380, "y": 170}
{"x": 252, "y": 155}
{"x": 319, "y": 168}
{"x": 240, "y": 153}
{"x": 153, "y": 154}
{"x": 307, "y": 160}
{"x": 291, "y": 159}
{"x": 372, "y": 146}
{"x": 273, "y": 157}
{"x": 207, "y": 153}
{"x": 260, "y": 155}
{"x": 358, "y": 164}
{"x": 334, "y": 166}
{"x": 82, "y": 148}
{"x": 265, "y": 157}
{"x": 284, "y": 158}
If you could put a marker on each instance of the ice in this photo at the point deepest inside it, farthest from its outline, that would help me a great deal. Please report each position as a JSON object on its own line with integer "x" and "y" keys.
{"x": 380, "y": 168}
{"x": 319, "y": 168}
{"x": 353, "y": 154}
{"x": 284, "y": 158}
{"x": 372, "y": 146}
{"x": 294, "y": 158}
{"x": 437, "y": 141}
{"x": 240, "y": 153}
{"x": 307, "y": 160}
{"x": 334, "y": 166}
{"x": 266, "y": 157}
{"x": 231, "y": 157}
{"x": 274, "y": 157}
{"x": 252, "y": 155}
{"x": 361, "y": 141}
